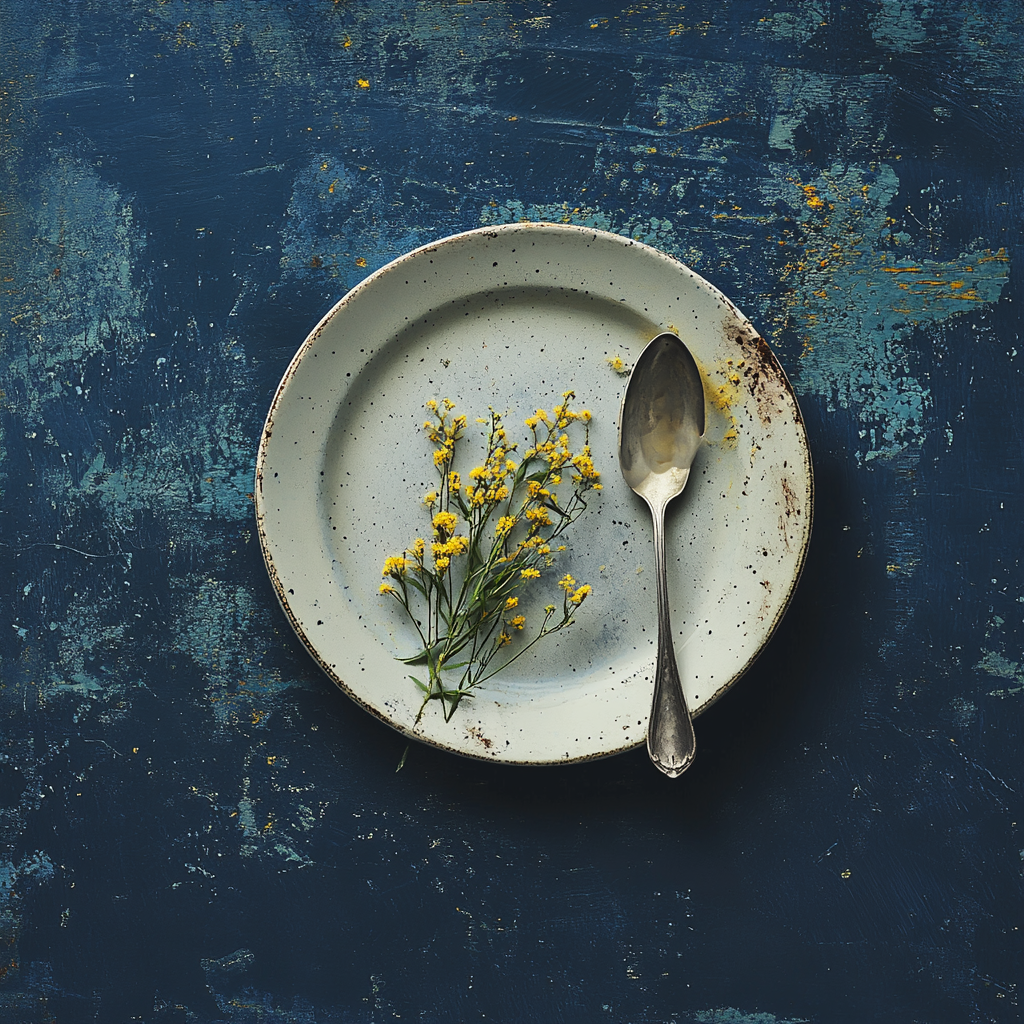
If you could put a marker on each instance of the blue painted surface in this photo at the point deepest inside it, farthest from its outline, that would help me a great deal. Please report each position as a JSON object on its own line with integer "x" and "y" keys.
{"x": 194, "y": 826}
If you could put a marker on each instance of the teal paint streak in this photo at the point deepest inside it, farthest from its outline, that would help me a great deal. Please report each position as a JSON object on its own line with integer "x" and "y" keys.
{"x": 34, "y": 866}
{"x": 898, "y": 25}
{"x": 798, "y": 96}
{"x": 15, "y": 878}
{"x": 81, "y": 306}
{"x": 228, "y": 634}
{"x": 729, "y": 1015}
{"x": 995, "y": 663}
{"x": 857, "y": 294}
{"x": 655, "y": 231}
{"x": 344, "y": 222}
{"x": 76, "y": 293}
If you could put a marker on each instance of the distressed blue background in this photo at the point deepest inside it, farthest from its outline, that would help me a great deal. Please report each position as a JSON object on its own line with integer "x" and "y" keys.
{"x": 195, "y": 825}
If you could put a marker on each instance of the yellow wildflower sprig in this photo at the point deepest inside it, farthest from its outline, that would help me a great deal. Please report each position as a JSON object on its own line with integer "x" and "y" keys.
{"x": 491, "y": 537}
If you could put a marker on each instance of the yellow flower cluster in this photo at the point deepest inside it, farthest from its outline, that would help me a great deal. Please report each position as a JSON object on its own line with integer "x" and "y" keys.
{"x": 445, "y": 551}
{"x": 394, "y": 566}
{"x": 489, "y": 484}
{"x": 511, "y": 513}
{"x": 554, "y": 448}
{"x": 574, "y": 594}
{"x": 505, "y": 523}
{"x": 537, "y": 517}
{"x": 584, "y": 464}
{"x": 443, "y": 431}
{"x": 445, "y": 523}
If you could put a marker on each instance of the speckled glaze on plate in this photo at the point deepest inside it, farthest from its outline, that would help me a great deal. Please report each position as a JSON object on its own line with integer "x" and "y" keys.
{"x": 511, "y": 317}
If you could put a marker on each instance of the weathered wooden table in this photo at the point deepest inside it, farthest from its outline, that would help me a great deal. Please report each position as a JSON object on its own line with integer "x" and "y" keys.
{"x": 195, "y": 825}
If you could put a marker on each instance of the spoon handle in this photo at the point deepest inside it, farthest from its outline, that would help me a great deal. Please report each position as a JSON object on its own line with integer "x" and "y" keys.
{"x": 670, "y": 739}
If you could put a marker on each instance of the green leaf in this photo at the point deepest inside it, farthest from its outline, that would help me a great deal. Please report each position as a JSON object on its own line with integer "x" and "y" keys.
{"x": 416, "y": 659}
{"x": 421, "y": 685}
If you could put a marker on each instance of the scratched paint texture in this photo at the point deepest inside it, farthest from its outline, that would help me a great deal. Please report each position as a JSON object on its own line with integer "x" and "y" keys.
{"x": 194, "y": 826}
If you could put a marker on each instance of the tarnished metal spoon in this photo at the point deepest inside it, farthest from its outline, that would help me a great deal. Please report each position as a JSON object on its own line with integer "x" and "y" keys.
{"x": 661, "y": 426}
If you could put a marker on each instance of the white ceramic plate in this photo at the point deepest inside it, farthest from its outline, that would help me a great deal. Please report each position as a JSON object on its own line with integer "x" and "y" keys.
{"x": 511, "y": 317}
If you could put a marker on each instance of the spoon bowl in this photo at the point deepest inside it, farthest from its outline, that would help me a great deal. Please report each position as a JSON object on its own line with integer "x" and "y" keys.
{"x": 661, "y": 426}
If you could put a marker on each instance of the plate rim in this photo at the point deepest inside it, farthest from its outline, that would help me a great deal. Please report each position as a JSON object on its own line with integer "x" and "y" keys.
{"x": 765, "y": 351}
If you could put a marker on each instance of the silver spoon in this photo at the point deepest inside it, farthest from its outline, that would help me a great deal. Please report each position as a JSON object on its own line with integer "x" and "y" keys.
{"x": 661, "y": 426}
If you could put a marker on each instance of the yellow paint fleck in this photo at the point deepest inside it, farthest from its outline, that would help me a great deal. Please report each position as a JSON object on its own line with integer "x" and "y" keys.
{"x": 272, "y": 759}
{"x": 892, "y": 567}
{"x": 362, "y": 83}
{"x": 135, "y": 750}
{"x": 814, "y": 201}
{"x": 1000, "y": 255}
{"x": 513, "y": 118}
{"x": 707, "y": 124}
{"x": 360, "y": 262}
{"x": 723, "y": 396}
{"x": 846, "y": 873}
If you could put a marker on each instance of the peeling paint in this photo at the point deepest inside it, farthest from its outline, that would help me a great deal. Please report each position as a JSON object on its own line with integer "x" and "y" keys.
{"x": 729, "y": 1015}
{"x": 214, "y": 618}
{"x": 855, "y": 299}
{"x": 998, "y": 665}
